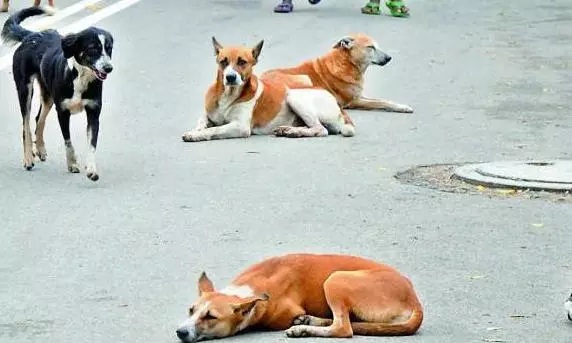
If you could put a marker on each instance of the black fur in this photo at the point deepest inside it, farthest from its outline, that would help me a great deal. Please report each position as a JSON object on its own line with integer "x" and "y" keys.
{"x": 43, "y": 56}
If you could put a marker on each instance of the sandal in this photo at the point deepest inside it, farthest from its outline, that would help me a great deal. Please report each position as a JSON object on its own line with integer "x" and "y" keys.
{"x": 397, "y": 8}
{"x": 285, "y": 7}
{"x": 371, "y": 8}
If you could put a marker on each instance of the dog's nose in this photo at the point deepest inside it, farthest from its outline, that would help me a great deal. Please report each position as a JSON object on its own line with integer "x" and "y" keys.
{"x": 108, "y": 68}
{"x": 231, "y": 78}
{"x": 387, "y": 59}
{"x": 182, "y": 333}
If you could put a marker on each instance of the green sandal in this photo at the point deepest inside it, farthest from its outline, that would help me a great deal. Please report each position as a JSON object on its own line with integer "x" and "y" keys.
{"x": 397, "y": 8}
{"x": 371, "y": 8}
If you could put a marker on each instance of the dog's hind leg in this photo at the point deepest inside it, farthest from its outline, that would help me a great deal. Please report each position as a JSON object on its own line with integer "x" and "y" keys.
{"x": 307, "y": 104}
{"x": 45, "y": 108}
{"x": 25, "y": 93}
{"x": 71, "y": 159}
{"x": 364, "y": 103}
{"x": 383, "y": 300}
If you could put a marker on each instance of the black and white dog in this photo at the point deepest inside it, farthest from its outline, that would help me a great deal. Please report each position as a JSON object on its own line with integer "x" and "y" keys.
{"x": 70, "y": 71}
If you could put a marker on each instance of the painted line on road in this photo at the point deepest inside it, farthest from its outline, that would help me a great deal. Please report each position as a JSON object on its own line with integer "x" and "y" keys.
{"x": 6, "y": 60}
{"x": 45, "y": 21}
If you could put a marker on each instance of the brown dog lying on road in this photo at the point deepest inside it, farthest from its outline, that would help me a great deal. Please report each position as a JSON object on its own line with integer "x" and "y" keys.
{"x": 309, "y": 295}
{"x": 341, "y": 71}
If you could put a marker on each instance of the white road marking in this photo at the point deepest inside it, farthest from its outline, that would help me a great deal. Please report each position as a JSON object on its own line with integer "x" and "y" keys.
{"x": 6, "y": 60}
{"x": 41, "y": 24}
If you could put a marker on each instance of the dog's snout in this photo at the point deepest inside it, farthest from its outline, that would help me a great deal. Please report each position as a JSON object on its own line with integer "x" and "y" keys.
{"x": 108, "y": 68}
{"x": 231, "y": 78}
{"x": 387, "y": 59}
{"x": 182, "y": 333}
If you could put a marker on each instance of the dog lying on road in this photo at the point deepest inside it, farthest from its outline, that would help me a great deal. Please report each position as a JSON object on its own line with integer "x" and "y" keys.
{"x": 301, "y": 293}
{"x": 70, "y": 71}
{"x": 341, "y": 71}
{"x": 239, "y": 103}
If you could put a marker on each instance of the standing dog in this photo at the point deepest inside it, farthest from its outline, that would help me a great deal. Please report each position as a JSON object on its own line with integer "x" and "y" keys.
{"x": 302, "y": 293}
{"x": 341, "y": 71}
{"x": 6, "y": 4}
{"x": 239, "y": 104}
{"x": 70, "y": 71}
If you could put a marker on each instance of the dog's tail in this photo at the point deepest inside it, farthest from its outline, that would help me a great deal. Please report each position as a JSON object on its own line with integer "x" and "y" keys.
{"x": 382, "y": 329}
{"x": 13, "y": 32}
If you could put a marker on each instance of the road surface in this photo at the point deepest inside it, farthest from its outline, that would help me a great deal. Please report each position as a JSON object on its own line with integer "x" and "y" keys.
{"x": 118, "y": 260}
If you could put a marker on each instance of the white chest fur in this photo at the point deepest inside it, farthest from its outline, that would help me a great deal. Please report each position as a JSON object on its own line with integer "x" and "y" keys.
{"x": 228, "y": 110}
{"x": 76, "y": 104}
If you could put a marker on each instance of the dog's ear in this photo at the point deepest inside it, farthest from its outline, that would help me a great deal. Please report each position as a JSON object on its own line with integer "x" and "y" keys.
{"x": 69, "y": 43}
{"x": 257, "y": 49}
{"x": 346, "y": 43}
{"x": 205, "y": 285}
{"x": 243, "y": 308}
{"x": 216, "y": 45}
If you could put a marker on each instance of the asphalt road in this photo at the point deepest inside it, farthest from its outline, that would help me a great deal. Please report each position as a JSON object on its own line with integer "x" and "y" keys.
{"x": 117, "y": 260}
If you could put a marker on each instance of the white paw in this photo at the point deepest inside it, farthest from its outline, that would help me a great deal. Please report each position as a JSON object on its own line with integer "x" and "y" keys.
{"x": 404, "y": 109}
{"x": 301, "y": 320}
{"x": 193, "y": 136}
{"x": 297, "y": 331}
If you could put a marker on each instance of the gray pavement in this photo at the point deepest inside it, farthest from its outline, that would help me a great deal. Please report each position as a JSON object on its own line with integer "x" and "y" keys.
{"x": 117, "y": 261}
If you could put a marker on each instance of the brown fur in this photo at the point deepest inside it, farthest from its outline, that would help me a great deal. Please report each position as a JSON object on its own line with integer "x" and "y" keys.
{"x": 362, "y": 296}
{"x": 341, "y": 71}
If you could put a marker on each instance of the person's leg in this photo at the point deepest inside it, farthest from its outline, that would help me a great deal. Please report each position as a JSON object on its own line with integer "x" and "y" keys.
{"x": 285, "y": 6}
{"x": 397, "y": 8}
{"x": 372, "y": 7}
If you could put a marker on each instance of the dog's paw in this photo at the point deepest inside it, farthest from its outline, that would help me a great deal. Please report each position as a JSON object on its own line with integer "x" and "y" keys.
{"x": 73, "y": 168}
{"x": 29, "y": 162}
{"x": 297, "y": 331}
{"x": 286, "y": 131}
{"x": 41, "y": 153}
{"x": 193, "y": 136}
{"x": 93, "y": 176}
{"x": 404, "y": 109}
{"x": 302, "y": 320}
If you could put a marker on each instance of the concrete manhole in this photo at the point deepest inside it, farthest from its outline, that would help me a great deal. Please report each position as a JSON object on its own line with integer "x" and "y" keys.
{"x": 535, "y": 175}
{"x": 548, "y": 180}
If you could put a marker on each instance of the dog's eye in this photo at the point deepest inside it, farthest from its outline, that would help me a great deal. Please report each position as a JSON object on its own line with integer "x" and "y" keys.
{"x": 371, "y": 47}
{"x": 191, "y": 311}
{"x": 241, "y": 62}
{"x": 209, "y": 316}
{"x": 224, "y": 62}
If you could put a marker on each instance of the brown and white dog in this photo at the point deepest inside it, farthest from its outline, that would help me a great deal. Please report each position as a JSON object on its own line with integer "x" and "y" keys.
{"x": 309, "y": 295}
{"x": 239, "y": 103}
{"x": 341, "y": 71}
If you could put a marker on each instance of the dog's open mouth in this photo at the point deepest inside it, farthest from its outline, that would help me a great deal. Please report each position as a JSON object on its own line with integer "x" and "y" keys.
{"x": 101, "y": 76}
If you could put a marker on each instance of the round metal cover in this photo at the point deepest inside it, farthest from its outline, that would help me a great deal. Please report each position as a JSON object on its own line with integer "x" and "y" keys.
{"x": 543, "y": 175}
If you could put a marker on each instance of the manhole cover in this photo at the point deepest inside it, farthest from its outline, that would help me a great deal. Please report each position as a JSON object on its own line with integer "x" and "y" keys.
{"x": 553, "y": 175}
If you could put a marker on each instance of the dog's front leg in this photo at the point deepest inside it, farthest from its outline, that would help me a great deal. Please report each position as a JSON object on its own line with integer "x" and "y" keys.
{"x": 64, "y": 120}
{"x": 93, "y": 113}
{"x": 235, "y": 129}
{"x": 203, "y": 122}
{"x": 364, "y": 103}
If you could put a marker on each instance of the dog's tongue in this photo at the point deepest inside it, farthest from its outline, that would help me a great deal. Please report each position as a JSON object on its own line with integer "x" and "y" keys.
{"x": 100, "y": 75}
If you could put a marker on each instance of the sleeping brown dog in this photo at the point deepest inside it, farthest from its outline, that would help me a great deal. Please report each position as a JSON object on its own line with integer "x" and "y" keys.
{"x": 6, "y": 4}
